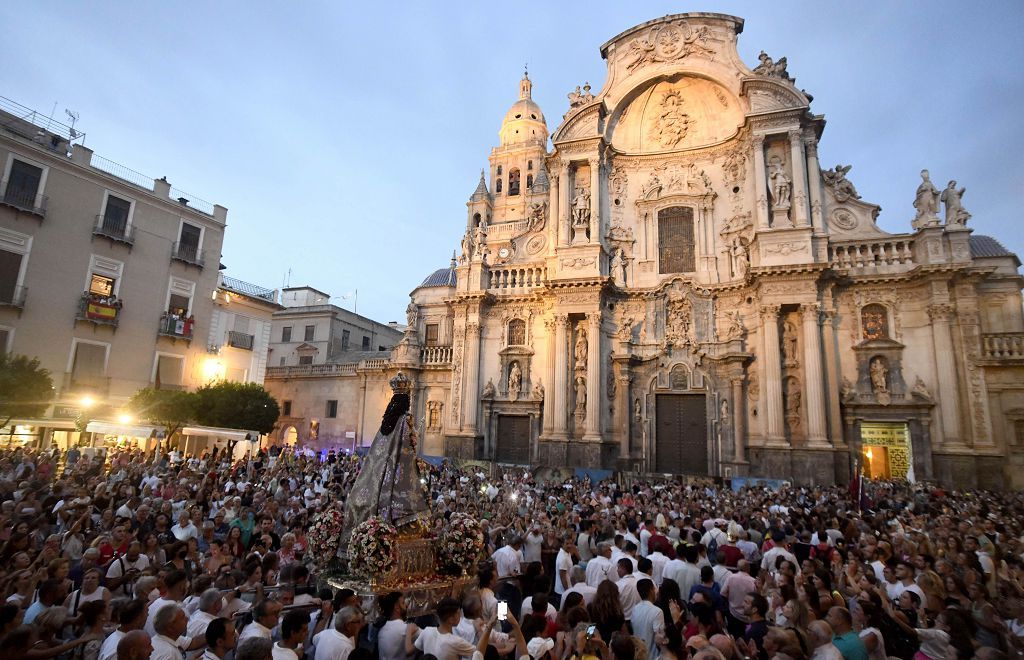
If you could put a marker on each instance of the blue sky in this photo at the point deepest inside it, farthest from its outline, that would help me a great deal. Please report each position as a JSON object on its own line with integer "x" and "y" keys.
{"x": 345, "y": 138}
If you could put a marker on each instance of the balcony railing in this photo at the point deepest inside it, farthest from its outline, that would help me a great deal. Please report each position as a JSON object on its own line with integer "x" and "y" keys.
{"x": 101, "y": 310}
{"x": 312, "y": 371}
{"x": 375, "y": 363}
{"x": 189, "y": 254}
{"x": 877, "y": 255}
{"x": 516, "y": 277}
{"x": 79, "y": 383}
{"x": 240, "y": 340}
{"x": 176, "y": 326}
{"x": 436, "y": 354}
{"x": 1003, "y": 346}
{"x": 14, "y": 297}
{"x": 28, "y": 201}
{"x": 114, "y": 230}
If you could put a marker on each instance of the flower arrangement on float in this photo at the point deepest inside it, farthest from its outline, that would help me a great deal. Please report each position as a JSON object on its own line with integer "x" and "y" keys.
{"x": 460, "y": 543}
{"x": 324, "y": 534}
{"x": 373, "y": 549}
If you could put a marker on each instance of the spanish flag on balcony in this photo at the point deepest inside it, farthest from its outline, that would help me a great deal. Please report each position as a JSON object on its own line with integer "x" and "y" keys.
{"x": 101, "y": 311}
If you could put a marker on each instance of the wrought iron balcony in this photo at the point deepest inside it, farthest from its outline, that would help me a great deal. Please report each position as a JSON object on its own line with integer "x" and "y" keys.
{"x": 189, "y": 254}
{"x": 27, "y": 201}
{"x": 13, "y": 297}
{"x": 114, "y": 230}
{"x": 176, "y": 327}
{"x": 240, "y": 340}
{"x": 85, "y": 384}
{"x": 100, "y": 310}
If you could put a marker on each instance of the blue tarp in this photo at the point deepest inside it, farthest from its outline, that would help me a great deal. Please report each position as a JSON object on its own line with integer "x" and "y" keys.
{"x": 594, "y": 474}
{"x": 436, "y": 461}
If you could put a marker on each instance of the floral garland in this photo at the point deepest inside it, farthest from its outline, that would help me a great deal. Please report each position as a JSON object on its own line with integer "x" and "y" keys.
{"x": 324, "y": 534}
{"x": 373, "y": 548}
{"x": 461, "y": 543}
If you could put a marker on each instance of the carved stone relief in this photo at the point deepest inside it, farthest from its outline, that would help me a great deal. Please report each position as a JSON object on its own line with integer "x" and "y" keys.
{"x": 668, "y": 43}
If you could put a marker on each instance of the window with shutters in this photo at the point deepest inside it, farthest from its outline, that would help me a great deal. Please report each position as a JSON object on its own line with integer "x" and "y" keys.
{"x": 676, "y": 252}
{"x": 286, "y": 333}
{"x": 332, "y": 409}
{"x": 431, "y": 336}
{"x": 310, "y": 331}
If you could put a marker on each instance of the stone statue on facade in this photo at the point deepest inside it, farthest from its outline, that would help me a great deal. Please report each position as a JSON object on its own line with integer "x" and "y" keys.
{"x": 847, "y": 391}
{"x": 580, "y": 215}
{"x": 672, "y": 124}
{"x": 538, "y": 216}
{"x": 581, "y": 394}
{"x": 841, "y": 186}
{"x": 956, "y": 214}
{"x": 793, "y": 399}
{"x": 489, "y": 390}
{"x": 679, "y": 321}
{"x": 879, "y": 376}
{"x": 515, "y": 381}
{"x": 618, "y": 266}
{"x": 772, "y": 69}
{"x": 723, "y": 414}
{"x": 736, "y": 328}
{"x": 467, "y": 247}
{"x": 538, "y": 390}
{"x": 789, "y": 341}
{"x": 412, "y": 315}
{"x": 580, "y": 350}
{"x": 926, "y": 201}
{"x": 637, "y": 412}
{"x": 920, "y": 390}
{"x": 626, "y": 329}
{"x": 740, "y": 259}
{"x": 779, "y": 184}
{"x": 577, "y": 98}
{"x": 479, "y": 238}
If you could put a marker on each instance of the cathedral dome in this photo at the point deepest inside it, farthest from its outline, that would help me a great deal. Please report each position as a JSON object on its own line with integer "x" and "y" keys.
{"x": 524, "y": 121}
{"x": 440, "y": 277}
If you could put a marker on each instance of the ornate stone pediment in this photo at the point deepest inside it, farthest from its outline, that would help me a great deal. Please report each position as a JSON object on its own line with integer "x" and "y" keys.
{"x": 768, "y": 95}
{"x": 586, "y": 122}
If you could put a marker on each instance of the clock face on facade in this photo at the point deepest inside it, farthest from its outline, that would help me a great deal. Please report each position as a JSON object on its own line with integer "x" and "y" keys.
{"x": 504, "y": 253}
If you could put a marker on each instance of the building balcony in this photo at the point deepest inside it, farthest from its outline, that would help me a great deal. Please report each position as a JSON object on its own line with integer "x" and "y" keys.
{"x": 13, "y": 297}
{"x": 26, "y": 201}
{"x": 99, "y": 310}
{"x": 85, "y": 384}
{"x": 187, "y": 253}
{"x": 436, "y": 355}
{"x": 1003, "y": 346}
{"x": 329, "y": 370}
{"x": 176, "y": 327}
{"x": 516, "y": 279}
{"x": 114, "y": 230}
{"x": 241, "y": 340}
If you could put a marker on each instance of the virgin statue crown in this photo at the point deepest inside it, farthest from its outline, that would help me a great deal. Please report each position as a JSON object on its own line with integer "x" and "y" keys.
{"x": 401, "y": 384}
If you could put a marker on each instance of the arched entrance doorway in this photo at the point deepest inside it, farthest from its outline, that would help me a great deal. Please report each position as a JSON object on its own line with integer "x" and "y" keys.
{"x": 289, "y": 436}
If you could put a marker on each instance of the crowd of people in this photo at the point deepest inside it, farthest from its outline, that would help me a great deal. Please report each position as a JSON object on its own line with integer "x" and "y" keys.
{"x": 126, "y": 555}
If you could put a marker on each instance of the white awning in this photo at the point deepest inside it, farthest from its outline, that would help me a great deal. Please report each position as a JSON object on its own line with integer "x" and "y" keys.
{"x": 214, "y": 432}
{"x": 133, "y": 430}
{"x": 59, "y": 424}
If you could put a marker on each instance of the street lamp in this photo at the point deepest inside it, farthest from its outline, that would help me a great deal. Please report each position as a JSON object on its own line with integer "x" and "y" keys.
{"x": 87, "y": 401}
{"x": 124, "y": 418}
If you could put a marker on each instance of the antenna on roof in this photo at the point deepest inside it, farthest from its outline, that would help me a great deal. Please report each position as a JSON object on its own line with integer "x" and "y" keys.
{"x": 73, "y": 116}
{"x": 287, "y": 279}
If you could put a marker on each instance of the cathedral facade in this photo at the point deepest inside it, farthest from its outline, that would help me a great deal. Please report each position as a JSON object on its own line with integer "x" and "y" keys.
{"x": 675, "y": 285}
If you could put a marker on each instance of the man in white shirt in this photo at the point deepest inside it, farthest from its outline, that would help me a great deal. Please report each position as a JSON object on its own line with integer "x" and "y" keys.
{"x": 170, "y": 624}
{"x": 441, "y": 642}
{"x": 123, "y": 571}
{"x": 533, "y": 545}
{"x": 508, "y": 558}
{"x": 338, "y": 643}
{"x": 538, "y": 604}
{"x": 391, "y": 636}
{"x": 185, "y": 529}
{"x": 132, "y": 617}
{"x": 264, "y": 620}
{"x": 598, "y": 568}
{"x": 585, "y": 542}
{"x": 628, "y": 594}
{"x": 578, "y": 577}
{"x": 645, "y": 537}
{"x": 688, "y": 575}
{"x": 210, "y": 604}
{"x": 221, "y": 638}
{"x": 294, "y": 626}
{"x": 658, "y": 563}
{"x": 905, "y": 581}
{"x": 175, "y": 584}
{"x": 779, "y": 550}
{"x": 819, "y": 635}
{"x": 648, "y": 620}
{"x": 563, "y": 566}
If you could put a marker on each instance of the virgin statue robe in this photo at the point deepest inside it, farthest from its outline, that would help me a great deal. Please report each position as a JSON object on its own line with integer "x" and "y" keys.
{"x": 388, "y": 485}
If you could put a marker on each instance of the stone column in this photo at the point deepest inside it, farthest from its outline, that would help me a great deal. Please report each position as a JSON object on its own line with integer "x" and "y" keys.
{"x": 595, "y": 200}
{"x": 947, "y": 393}
{"x": 564, "y": 197}
{"x": 472, "y": 367}
{"x": 772, "y": 374}
{"x": 833, "y": 379}
{"x": 739, "y": 430}
{"x": 814, "y": 384}
{"x": 549, "y": 378}
{"x": 814, "y": 183}
{"x": 760, "y": 183}
{"x": 554, "y": 212}
{"x": 593, "y": 424}
{"x": 623, "y": 412}
{"x": 796, "y": 151}
{"x": 560, "y": 414}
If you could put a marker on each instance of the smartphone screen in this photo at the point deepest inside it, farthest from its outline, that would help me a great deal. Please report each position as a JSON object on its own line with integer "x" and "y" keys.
{"x": 590, "y": 631}
{"x": 502, "y": 610}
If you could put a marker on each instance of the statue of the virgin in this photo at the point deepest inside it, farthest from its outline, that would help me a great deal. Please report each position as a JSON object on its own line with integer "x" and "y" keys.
{"x": 388, "y": 485}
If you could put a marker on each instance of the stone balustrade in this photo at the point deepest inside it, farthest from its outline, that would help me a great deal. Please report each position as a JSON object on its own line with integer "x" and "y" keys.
{"x": 1002, "y": 346}
{"x": 436, "y": 355}
{"x": 375, "y": 363}
{"x": 880, "y": 255}
{"x": 503, "y": 278}
{"x": 312, "y": 371}
{"x": 507, "y": 229}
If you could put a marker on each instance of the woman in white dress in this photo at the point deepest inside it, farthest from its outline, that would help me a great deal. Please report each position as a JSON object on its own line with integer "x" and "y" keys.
{"x": 91, "y": 590}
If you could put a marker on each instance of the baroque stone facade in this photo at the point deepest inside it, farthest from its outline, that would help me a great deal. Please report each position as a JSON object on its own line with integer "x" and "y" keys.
{"x": 676, "y": 286}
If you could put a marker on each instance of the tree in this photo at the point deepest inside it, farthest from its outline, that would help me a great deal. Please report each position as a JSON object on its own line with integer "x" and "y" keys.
{"x": 245, "y": 406}
{"x": 170, "y": 408}
{"x": 26, "y": 388}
